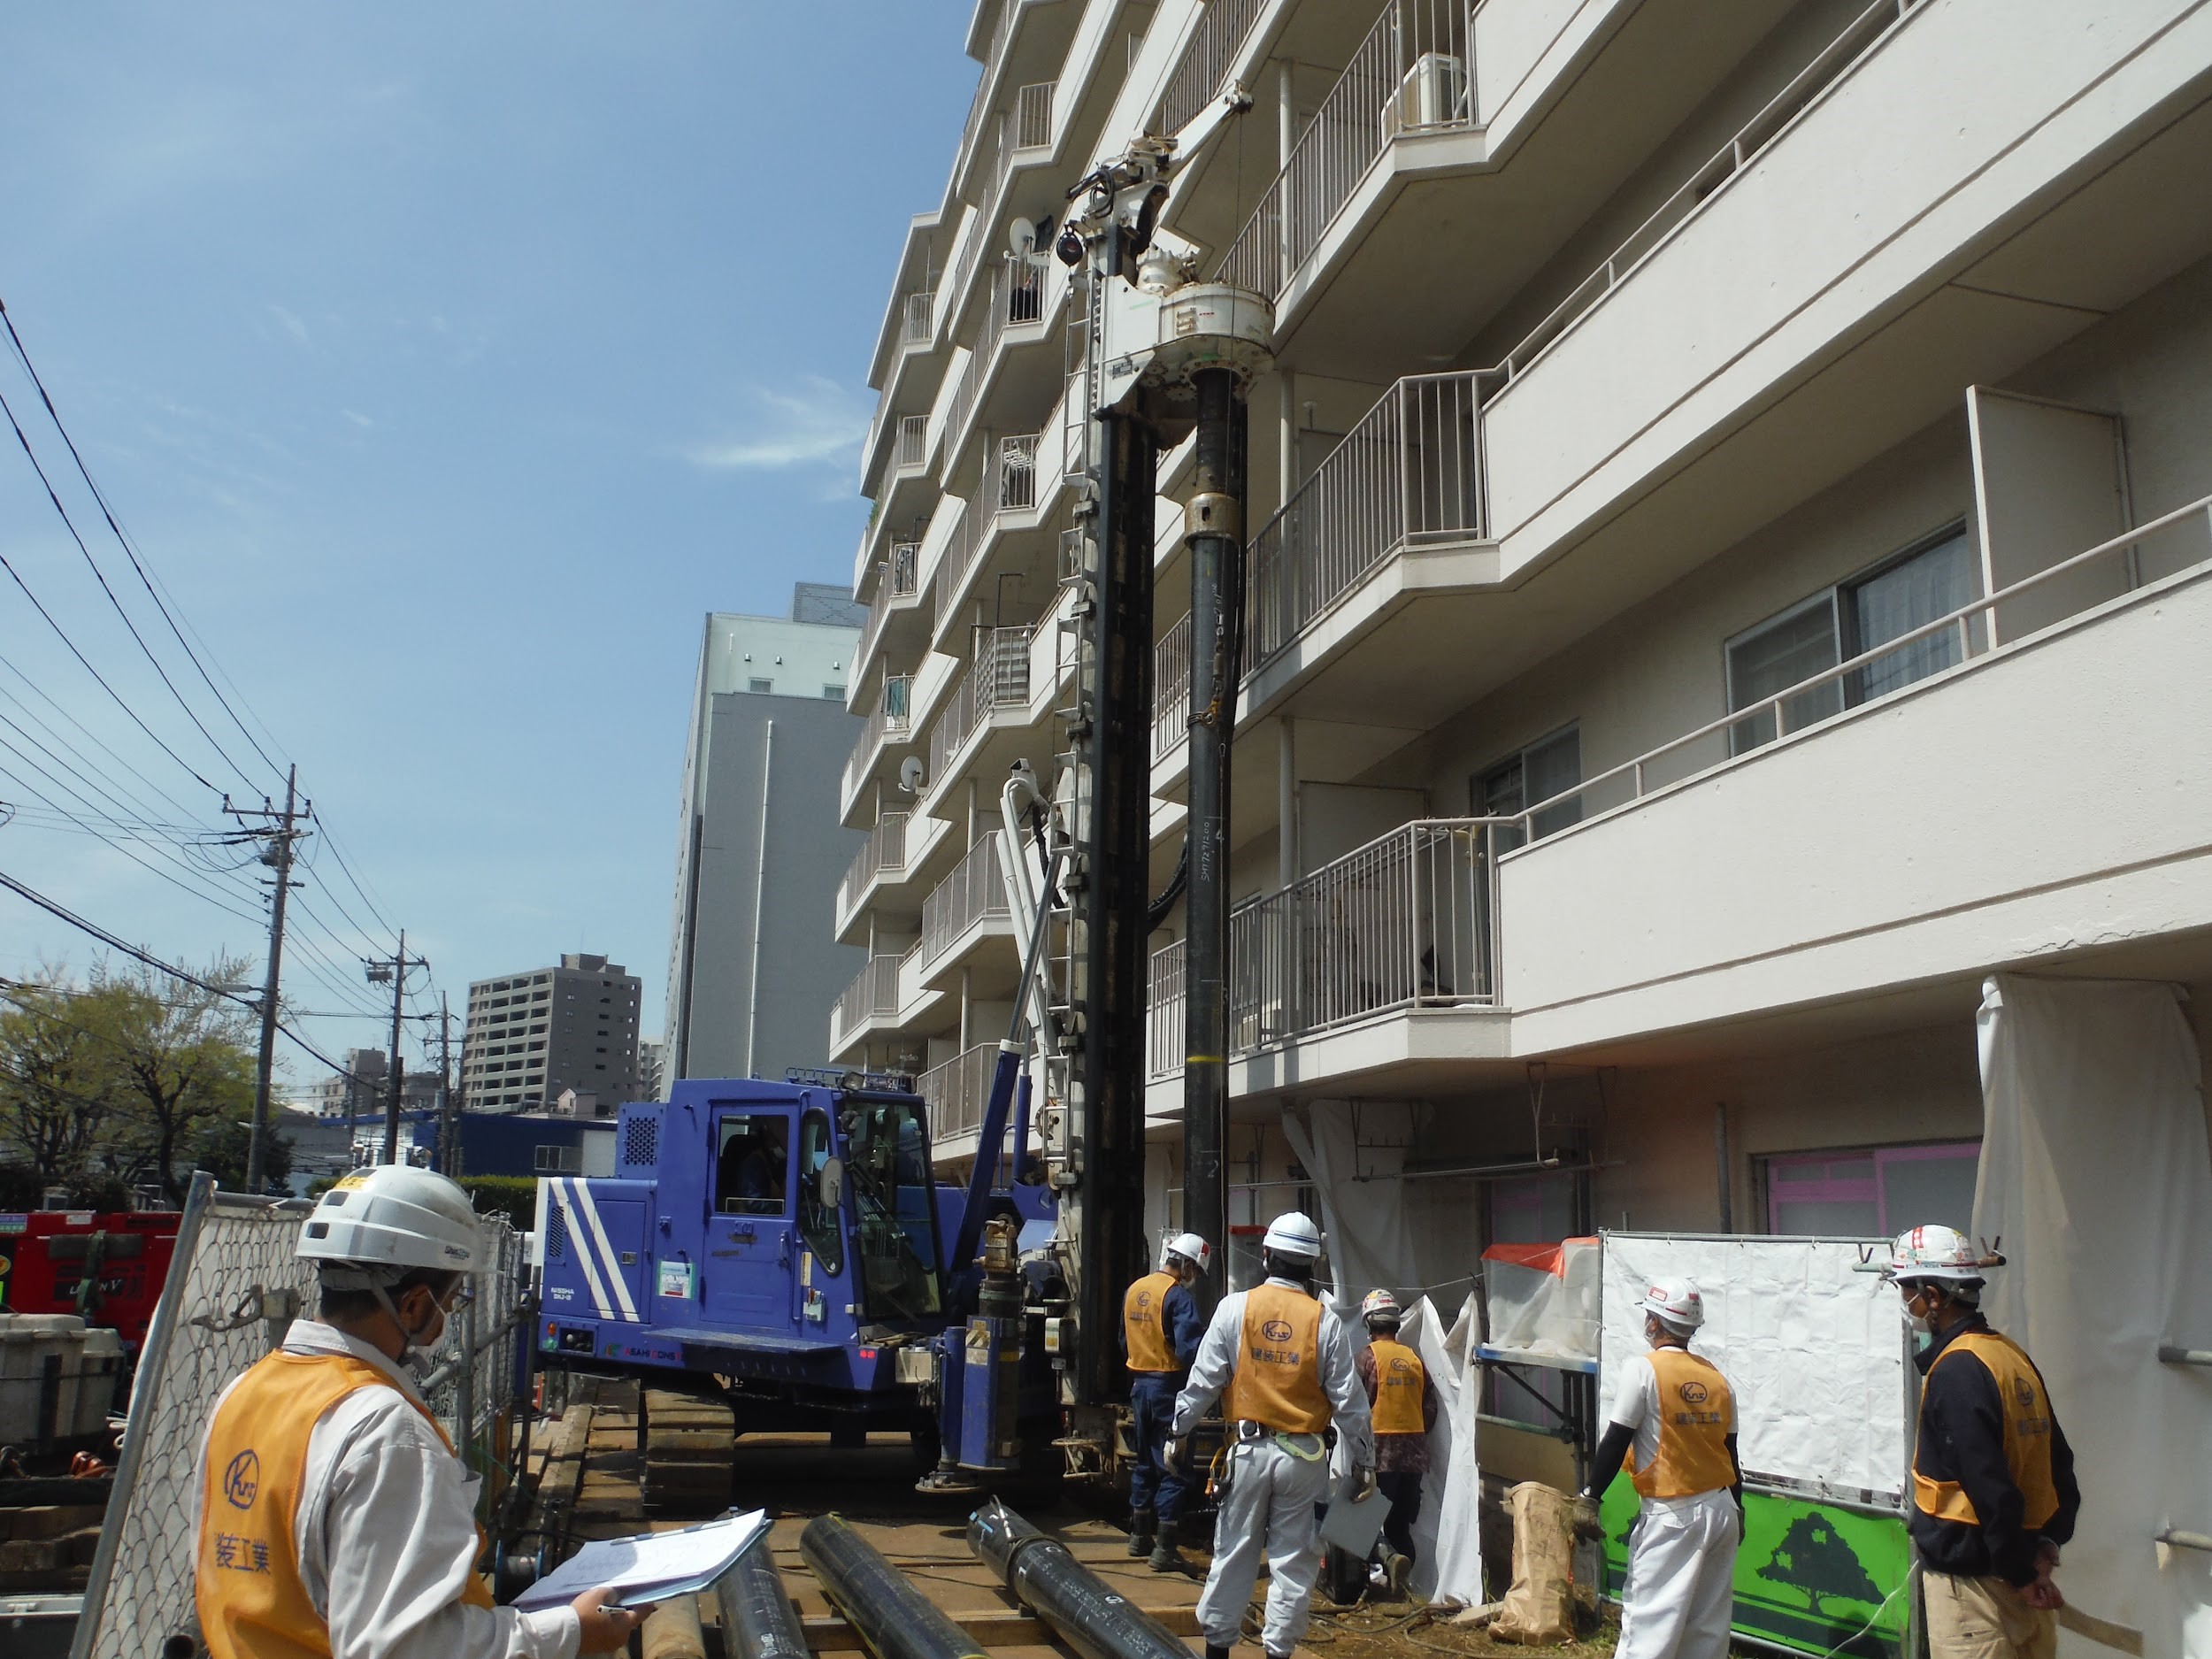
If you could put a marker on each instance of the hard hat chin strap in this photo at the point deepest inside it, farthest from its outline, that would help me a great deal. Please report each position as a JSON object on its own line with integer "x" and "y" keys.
{"x": 410, "y": 1353}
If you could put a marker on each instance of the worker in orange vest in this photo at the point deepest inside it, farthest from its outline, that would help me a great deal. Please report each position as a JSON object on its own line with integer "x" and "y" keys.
{"x": 1674, "y": 1430}
{"x": 1994, "y": 1494}
{"x": 1160, "y": 1328}
{"x": 335, "y": 1520}
{"x": 1402, "y": 1403}
{"x": 1287, "y": 1364}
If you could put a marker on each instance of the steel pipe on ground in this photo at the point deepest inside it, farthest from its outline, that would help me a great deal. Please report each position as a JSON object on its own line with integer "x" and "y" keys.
{"x": 758, "y": 1621}
{"x": 1082, "y": 1610}
{"x": 894, "y": 1619}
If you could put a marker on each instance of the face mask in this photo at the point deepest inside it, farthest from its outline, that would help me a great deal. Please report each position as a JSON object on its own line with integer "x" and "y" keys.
{"x": 1917, "y": 1323}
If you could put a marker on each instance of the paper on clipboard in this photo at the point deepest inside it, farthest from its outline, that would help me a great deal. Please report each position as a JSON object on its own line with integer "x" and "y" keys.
{"x": 1353, "y": 1527}
{"x": 649, "y": 1566}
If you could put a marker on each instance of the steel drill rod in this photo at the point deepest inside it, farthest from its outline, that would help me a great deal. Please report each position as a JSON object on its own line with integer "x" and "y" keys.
{"x": 895, "y": 1620}
{"x": 758, "y": 1621}
{"x": 1083, "y": 1610}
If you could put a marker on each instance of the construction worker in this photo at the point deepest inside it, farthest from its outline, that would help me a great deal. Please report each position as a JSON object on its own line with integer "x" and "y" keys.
{"x": 1675, "y": 1415}
{"x": 1402, "y": 1403}
{"x": 1160, "y": 1328}
{"x": 1287, "y": 1364}
{"x": 1992, "y": 1478}
{"x": 335, "y": 1520}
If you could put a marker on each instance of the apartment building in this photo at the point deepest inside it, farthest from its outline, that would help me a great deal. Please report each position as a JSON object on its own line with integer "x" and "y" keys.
{"x": 533, "y": 1034}
{"x": 752, "y": 965}
{"x": 1727, "y": 553}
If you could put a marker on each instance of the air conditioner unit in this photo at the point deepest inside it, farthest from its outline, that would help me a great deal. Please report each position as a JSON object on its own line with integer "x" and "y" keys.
{"x": 1434, "y": 94}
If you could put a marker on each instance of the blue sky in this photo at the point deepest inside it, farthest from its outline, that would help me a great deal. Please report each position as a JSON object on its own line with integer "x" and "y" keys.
{"x": 446, "y": 363}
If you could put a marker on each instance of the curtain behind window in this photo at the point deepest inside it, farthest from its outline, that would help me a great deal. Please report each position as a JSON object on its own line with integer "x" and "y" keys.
{"x": 1930, "y": 584}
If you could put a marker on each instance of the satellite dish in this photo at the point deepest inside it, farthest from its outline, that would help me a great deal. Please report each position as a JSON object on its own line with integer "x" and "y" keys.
{"x": 1024, "y": 237}
{"x": 911, "y": 773}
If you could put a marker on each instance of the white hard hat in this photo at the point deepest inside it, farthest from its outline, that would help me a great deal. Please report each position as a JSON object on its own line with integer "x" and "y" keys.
{"x": 1676, "y": 1302}
{"x": 1192, "y": 1248}
{"x": 1293, "y": 1233}
{"x": 1380, "y": 1304}
{"x": 1939, "y": 1252}
{"x": 388, "y": 1220}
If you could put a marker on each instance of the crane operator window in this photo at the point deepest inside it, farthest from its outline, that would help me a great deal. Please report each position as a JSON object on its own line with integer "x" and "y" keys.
{"x": 818, "y": 1219}
{"x": 893, "y": 1192}
{"x": 748, "y": 1169}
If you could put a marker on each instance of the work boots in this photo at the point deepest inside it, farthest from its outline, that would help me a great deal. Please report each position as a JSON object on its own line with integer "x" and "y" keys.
{"x": 1165, "y": 1558}
{"x": 1141, "y": 1526}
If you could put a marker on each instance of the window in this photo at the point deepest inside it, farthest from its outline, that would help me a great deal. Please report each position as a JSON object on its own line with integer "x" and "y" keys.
{"x": 1872, "y": 1192}
{"x": 1537, "y": 773}
{"x": 760, "y": 687}
{"x": 560, "y": 1161}
{"x": 749, "y": 1166}
{"x": 820, "y": 1223}
{"x": 834, "y": 694}
{"x": 1925, "y": 581}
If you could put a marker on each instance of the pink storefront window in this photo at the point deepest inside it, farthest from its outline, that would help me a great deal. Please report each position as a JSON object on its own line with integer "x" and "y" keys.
{"x": 1872, "y": 1192}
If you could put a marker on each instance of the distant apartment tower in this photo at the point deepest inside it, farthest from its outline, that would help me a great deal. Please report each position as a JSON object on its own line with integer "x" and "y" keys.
{"x": 652, "y": 1067}
{"x": 531, "y": 1035}
{"x": 753, "y": 963}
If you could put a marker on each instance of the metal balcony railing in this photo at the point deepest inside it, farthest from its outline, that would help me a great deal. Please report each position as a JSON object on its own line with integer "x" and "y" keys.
{"x": 974, "y": 890}
{"x": 885, "y": 850}
{"x": 1018, "y": 473}
{"x": 1032, "y": 115}
{"x": 997, "y": 679}
{"x": 956, "y": 1092}
{"x": 1409, "y": 475}
{"x": 952, "y": 569}
{"x": 913, "y": 441}
{"x": 1203, "y": 70}
{"x": 920, "y": 319}
{"x": 886, "y": 719}
{"x": 1024, "y": 131}
{"x": 1018, "y": 297}
{"x": 1171, "y": 689}
{"x": 873, "y": 995}
{"x": 1409, "y": 920}
{"x": 1409, "y": 74}
{"x": 900, "y": 574}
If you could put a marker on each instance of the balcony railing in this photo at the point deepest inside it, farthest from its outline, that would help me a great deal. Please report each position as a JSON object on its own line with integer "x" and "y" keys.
{"x": 1171, "y": 689}
{"x": 873, "y": 995}
{"x": 956, "y": 1092}
{"x": 913, "y": 441}
{"x": 1409, "y": 920}
{"x": 1025, "y": 129}
{"x": 952, "y": 569}
{"x": 1018, "y": 297}
{"x": 997, "y": 679}
{"x": 980, "y": 103}
{"x": 974, "y": 890}
{"x": 920, "y": 319}
{"x": 1409, "y": 475}
{"x": 884, "y": 849}
{"x": 1018, "y": 473}
{"x": 887, "y": 718}
{"x": 1206, "y": 62}
{"x": 1409, "y": 74}
{"x": 901, "y": 574}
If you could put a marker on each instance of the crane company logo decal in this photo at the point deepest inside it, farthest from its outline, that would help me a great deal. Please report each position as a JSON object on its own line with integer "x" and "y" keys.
{"x": 1693, "y": 1394}
{"x": 1277, "y": 1331}
{"x": 242, "y": 1481}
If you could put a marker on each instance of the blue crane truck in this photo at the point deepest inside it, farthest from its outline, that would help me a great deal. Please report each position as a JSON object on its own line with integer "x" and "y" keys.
{"x": 786, "y": 1245}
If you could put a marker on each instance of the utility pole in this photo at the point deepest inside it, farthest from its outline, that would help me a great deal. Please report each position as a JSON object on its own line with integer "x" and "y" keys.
{"x": 394, "y": 969}
{"x": 281, "y": 830}
{"x": 448, "y": 1118}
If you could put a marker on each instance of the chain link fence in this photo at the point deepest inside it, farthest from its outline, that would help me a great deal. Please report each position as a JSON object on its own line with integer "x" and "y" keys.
{"x": 234, "y": 1289}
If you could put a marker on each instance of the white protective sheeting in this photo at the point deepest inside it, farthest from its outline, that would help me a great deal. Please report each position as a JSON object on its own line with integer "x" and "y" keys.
{"x": 1813, "y": 1349}
{"x": 1371, "y": 1244}
{"x": 1543, "y": 1299}
{"x": 2096, "y": 1177}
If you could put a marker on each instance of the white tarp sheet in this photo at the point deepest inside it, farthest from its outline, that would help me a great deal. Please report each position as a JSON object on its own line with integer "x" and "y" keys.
{"x": 1371, "y": 1244}
{"x": 2096, "y": 1178}
{"x": 1813, "y": 1350}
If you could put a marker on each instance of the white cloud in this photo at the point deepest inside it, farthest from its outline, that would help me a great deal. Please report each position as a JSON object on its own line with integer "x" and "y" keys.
{"x": 357, "y": 417}
{"x": 819, "y": 424}
{"x": 293, "y": 326}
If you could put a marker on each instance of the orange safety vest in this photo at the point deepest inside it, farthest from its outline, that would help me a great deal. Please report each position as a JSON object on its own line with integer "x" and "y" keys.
{"x": 2027, "y": 1408}
{"x": 252, "y": 1601}
{"x": 1696, "y": 1415}
{"x": 1399, "y": 1381}
{"x": 1143, "y": 1312}
{"x": 1277, "y": 1383}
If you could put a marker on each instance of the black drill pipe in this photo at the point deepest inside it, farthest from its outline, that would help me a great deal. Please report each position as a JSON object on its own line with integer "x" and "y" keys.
{"x": 1078, "y": 1605}
{"x": 758, "y": 1621}
{"x": 893, "y": 1618}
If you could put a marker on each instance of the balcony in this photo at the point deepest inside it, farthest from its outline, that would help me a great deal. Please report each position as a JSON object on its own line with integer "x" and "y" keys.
{"x": 868, "y": 1007}
{"x": 1170, "y": 691}
{"x": 1209, "y": 61}
{"x": 888, "y": 722}
{"x": 957, "y": 1093}
{"x": 893, "y": 608}
{"x": 967, "y": 907}
{"x": 1405, "y": 925}
{"x": 1023, "y": 137}
{"x": 884, "y": 851}
{"x": 996, "y": 682}
{"x": 1001, "y": 383}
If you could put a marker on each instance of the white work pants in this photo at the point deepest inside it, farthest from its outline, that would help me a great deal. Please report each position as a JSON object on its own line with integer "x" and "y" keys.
{"x": 1268, "y": 1510}
{"x": 1681, "y": 1579}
